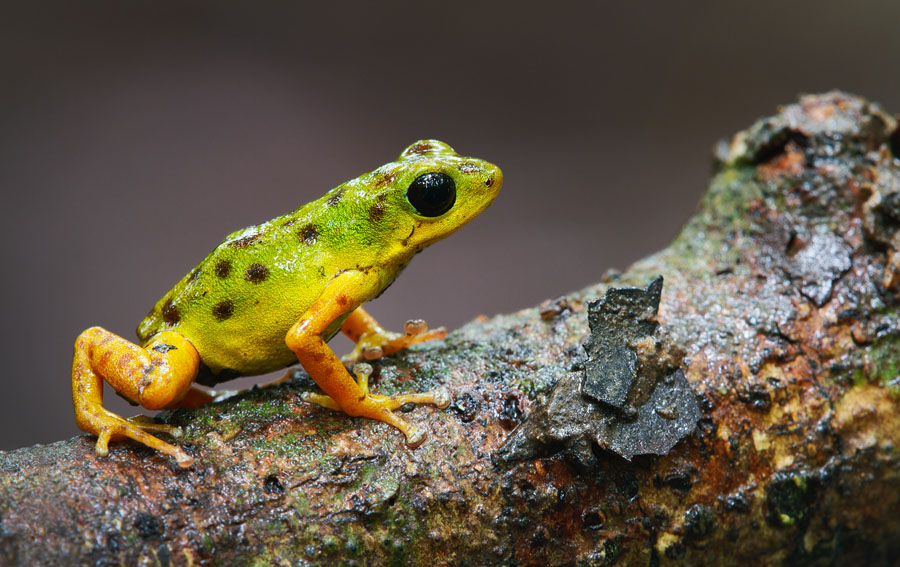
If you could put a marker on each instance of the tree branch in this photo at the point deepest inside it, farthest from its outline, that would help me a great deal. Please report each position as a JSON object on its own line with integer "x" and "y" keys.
{"x": 781, "y": 292}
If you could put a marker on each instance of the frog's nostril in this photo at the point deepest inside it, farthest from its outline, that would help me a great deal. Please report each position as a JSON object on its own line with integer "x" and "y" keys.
{"x": 495, "y": 179}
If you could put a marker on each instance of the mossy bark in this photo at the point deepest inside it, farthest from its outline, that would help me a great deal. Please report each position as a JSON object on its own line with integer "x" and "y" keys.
{"x": 782, "y": 292}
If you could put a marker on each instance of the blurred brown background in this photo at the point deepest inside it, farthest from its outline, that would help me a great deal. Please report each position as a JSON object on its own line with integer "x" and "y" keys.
{"x": 134, "y": 136}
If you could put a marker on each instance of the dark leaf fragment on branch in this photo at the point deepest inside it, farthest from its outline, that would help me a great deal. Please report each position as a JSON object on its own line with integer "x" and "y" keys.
{"x": 631, "y": 398}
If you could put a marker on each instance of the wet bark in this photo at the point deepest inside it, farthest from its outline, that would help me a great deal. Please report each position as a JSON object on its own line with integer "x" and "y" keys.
{"x": 782, "y": 296}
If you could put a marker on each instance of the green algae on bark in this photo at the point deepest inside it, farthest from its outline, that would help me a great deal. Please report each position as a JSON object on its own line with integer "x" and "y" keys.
{"x": 782, "y": 293}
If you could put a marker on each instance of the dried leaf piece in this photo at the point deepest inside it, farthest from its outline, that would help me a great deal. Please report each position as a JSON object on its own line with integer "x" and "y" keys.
{"x": 631, "y": 398}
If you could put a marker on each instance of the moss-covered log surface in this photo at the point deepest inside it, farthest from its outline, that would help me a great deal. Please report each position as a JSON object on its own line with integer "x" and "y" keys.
{"x": 782, "y": 294}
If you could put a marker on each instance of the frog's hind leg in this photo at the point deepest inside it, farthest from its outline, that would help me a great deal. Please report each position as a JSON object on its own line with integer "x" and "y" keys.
{"x": 374, "y": 341}
{"x": 156, "y": 377}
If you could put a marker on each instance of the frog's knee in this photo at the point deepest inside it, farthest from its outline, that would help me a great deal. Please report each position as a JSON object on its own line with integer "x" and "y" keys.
{"x": 90, "y": 337}
{"x": 172, "y": 366}
{"x": 160, "y": 390}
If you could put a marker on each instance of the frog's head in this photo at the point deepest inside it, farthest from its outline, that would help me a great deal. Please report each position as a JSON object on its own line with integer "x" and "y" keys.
{"x": 439, "y": 191}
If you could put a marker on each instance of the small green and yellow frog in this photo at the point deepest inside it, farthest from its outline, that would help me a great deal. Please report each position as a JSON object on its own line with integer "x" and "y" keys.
{"x": 274, "y": 293}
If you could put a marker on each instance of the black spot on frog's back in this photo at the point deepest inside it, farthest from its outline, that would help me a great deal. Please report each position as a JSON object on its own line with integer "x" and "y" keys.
{"x": 244, "y": 241}
{"x": 386, "y": 178}
{"x": 256, "y": 273}
{"x": 223, "y": 268}
{"x": 309, "y": 234}
{"x": 335, "y": 197}
{"x": 170, "y": 313}
{"x": 223, "y": 310}
{"x": 378, "y": 209}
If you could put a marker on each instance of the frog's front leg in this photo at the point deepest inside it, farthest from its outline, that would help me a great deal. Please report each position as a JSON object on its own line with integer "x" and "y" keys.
{"x": 156, "y": 376}
{"x": 373, "y": 341}
{"x": 344, "y": 294}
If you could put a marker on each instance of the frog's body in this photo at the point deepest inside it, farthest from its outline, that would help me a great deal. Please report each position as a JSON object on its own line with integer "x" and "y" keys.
{"x": 239, "y": 303}
{"x": 272, "y": 294}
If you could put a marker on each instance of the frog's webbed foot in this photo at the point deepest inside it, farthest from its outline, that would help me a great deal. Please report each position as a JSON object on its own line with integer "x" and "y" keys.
{"x": 376, "y": 342}
{"x": 110, "y": 427}
{"x": 381, "y": 407}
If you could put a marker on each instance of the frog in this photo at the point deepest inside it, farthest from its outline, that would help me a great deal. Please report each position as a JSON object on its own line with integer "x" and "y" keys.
{"x": 273, "y": 294}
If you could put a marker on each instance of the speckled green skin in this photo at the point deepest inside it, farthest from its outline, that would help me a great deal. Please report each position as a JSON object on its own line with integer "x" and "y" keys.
{"x": 238, "y": 304}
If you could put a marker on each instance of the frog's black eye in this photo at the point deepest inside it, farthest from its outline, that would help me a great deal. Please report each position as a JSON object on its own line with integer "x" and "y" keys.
{"x": 432, "y": 194}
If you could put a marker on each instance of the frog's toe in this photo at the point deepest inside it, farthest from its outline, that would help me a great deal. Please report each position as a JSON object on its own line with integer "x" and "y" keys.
{"x": 373, "y": 353}
{"x": 363, "y": 351}
{"x": 416, "y": 331}
{"x": 101, "y": 449}
{"x": 415, "y": 436}
{"x": 146, "y": 423}
{"x": 184, "y": 460}
{"x": 441, "y": 397}
{"x": 415, "y": 327}
{"x": 320, "y": 400}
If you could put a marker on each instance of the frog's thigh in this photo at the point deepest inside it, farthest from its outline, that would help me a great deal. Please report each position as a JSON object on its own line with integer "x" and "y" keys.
{"x": 344, "y": 293}
{"x": 155, "y": 377}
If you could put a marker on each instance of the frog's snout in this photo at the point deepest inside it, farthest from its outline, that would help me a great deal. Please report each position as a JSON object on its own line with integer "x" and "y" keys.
{"x": 494, "y": 179}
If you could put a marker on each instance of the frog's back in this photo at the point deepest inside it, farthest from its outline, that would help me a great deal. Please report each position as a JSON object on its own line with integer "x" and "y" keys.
{"x": 238, "y": 304}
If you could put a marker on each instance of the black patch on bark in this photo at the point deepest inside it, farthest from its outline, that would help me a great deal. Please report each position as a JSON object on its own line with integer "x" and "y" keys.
{"x": 631, "y": 398}
{"x": 148, "y": 525}
{"x": 272, "y": 485}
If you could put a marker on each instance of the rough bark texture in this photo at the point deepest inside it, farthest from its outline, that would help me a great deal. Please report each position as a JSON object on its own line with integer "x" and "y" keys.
{"x": 781, "y": 292}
